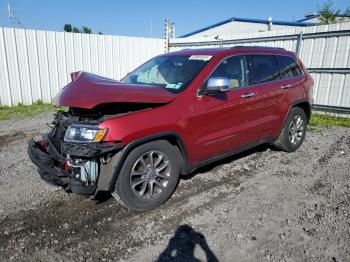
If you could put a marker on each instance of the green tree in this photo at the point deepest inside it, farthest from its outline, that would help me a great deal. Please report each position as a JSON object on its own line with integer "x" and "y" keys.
{"x": 67, "y": 28}
{"x": 347, "y": 12}
{"x": 328, "y": 15}
{"x": 86, "y": 30}
{"x": 76, "y": 30}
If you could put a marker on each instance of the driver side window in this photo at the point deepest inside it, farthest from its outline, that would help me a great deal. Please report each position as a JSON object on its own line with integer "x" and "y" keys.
{"x": 235, "y": 69}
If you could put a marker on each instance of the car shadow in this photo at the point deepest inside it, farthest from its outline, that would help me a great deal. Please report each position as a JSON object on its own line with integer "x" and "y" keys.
{"x": 217, "y": 164}
{"x": 182, "y": 245}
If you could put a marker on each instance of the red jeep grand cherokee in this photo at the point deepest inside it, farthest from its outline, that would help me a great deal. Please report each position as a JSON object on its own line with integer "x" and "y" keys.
{"x": 173, "y": 114}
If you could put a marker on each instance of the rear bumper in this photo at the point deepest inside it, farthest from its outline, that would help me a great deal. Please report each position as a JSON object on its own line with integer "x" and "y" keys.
{"x": 49, "y": 172}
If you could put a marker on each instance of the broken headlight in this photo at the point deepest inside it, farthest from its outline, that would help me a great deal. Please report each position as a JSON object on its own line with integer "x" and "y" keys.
{"x": 84, "y": 133}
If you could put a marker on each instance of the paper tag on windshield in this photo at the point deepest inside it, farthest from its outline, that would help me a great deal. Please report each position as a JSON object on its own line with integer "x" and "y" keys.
{"x": 174, "y": 86}
{"x": 170, "y": 86}
{"x": 200, "y": 57}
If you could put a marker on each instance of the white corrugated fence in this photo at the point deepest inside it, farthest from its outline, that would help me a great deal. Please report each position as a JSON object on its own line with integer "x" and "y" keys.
{"x": 324, "y": 50}
{"x": 35, "y": 64}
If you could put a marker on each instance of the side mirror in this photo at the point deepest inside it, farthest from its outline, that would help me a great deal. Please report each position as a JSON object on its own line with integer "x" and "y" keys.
{"x": 218, "y": 84}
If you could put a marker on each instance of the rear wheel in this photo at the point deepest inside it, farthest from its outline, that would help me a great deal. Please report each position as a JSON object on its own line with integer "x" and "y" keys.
{"x": 293, "y": 132}
{"x": 148, "y": 176}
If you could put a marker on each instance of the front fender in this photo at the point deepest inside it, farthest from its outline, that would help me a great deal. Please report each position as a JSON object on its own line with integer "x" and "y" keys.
{"x": 109, "y": 173}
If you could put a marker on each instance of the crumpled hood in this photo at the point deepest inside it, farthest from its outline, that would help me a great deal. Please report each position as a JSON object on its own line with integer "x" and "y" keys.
{"x": 88, "y": 90}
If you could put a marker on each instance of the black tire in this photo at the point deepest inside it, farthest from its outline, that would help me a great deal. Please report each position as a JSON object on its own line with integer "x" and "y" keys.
{"x": 285, "y": 141}
{"x": 131, "y": 197}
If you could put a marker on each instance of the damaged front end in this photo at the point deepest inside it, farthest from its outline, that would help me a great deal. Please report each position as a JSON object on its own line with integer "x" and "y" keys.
{"x": 72, "y": 153}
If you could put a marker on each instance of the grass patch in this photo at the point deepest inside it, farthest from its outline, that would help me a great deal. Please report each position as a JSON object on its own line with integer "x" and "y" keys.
{"x": 313, "y": 129}
{"x": 326, "y": 120}
{"x": 22, "y": 111}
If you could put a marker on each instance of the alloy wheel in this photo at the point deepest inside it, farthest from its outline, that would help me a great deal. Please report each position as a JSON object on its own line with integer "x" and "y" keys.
{"x": 296, "y": 129}
{"x": 150, "y": 174}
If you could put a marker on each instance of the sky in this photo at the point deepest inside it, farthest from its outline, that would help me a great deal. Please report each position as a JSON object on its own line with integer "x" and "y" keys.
{"x": 146, "y": 18}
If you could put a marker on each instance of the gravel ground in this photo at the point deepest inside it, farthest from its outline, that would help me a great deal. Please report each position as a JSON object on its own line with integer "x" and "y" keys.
{"x": 262, "y": 205}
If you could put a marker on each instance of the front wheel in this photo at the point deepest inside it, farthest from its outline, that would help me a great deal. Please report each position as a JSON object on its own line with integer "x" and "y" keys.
{"x": 293, "y": 132}
{"x": 148, "y": 176}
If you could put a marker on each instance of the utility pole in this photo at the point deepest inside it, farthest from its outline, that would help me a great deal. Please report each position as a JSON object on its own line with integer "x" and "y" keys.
{"x": 169, "y": 32}
{"x": 166, "y": 35}
{"x": 172, "y": 30}
{"x": 14, "y": 21}
{"x": 10, "y": 12}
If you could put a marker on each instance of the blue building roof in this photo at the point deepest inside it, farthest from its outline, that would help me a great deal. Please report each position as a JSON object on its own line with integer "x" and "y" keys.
{"x": 308, "y": 17}
{"x": 258, "y": 21}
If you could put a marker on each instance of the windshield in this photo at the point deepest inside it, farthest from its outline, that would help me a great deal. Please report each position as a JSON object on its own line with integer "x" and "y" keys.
{"x": 170, "y": 71}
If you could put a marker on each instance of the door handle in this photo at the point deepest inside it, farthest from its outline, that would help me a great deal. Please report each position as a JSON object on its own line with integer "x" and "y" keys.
{"x": 286, "y": 86}
{"x": 246, "y": 95}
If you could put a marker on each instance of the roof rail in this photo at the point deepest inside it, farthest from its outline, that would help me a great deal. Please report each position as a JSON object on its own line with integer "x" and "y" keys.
{"x": 264, "y": 47}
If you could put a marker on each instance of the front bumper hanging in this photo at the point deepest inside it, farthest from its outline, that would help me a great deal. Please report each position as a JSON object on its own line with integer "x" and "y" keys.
{"x": 51, "y": 164}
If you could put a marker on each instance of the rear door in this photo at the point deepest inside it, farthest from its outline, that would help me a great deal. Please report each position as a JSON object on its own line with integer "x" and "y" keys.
{"x": 292, "y": 77}
{"x": 267, "y": 81}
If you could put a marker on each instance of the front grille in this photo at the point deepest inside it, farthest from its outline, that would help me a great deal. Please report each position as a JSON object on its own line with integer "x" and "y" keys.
{"x": 88, "y": 150}
{"x": 58, "y": 138}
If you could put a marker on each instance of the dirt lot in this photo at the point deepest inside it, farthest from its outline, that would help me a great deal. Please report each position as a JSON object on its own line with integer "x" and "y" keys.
{"x": 262, "y": 205}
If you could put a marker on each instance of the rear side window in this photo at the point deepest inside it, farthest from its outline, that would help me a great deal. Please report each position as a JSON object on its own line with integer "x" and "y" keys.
{"x": 265, "y": 68}
{"x": 288, "y": 67}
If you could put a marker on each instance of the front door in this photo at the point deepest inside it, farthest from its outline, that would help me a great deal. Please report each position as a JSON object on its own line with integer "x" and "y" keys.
{"x": 226, "y": 121}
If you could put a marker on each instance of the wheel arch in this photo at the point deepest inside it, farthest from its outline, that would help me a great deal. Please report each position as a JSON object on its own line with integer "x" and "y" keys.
{"x": 305, "y": 105}
{"x": 281, "y": 142}
{"x": 172, "y": 137}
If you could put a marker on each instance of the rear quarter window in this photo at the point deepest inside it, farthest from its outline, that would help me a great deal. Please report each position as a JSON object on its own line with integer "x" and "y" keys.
{"x": 288, "y": 67}
{"x": 265, "y": 68}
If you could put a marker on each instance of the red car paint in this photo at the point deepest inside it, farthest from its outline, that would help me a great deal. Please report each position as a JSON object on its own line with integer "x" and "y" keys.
{"x": 209, "y": 125}
{"x": 88, "y": 90}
